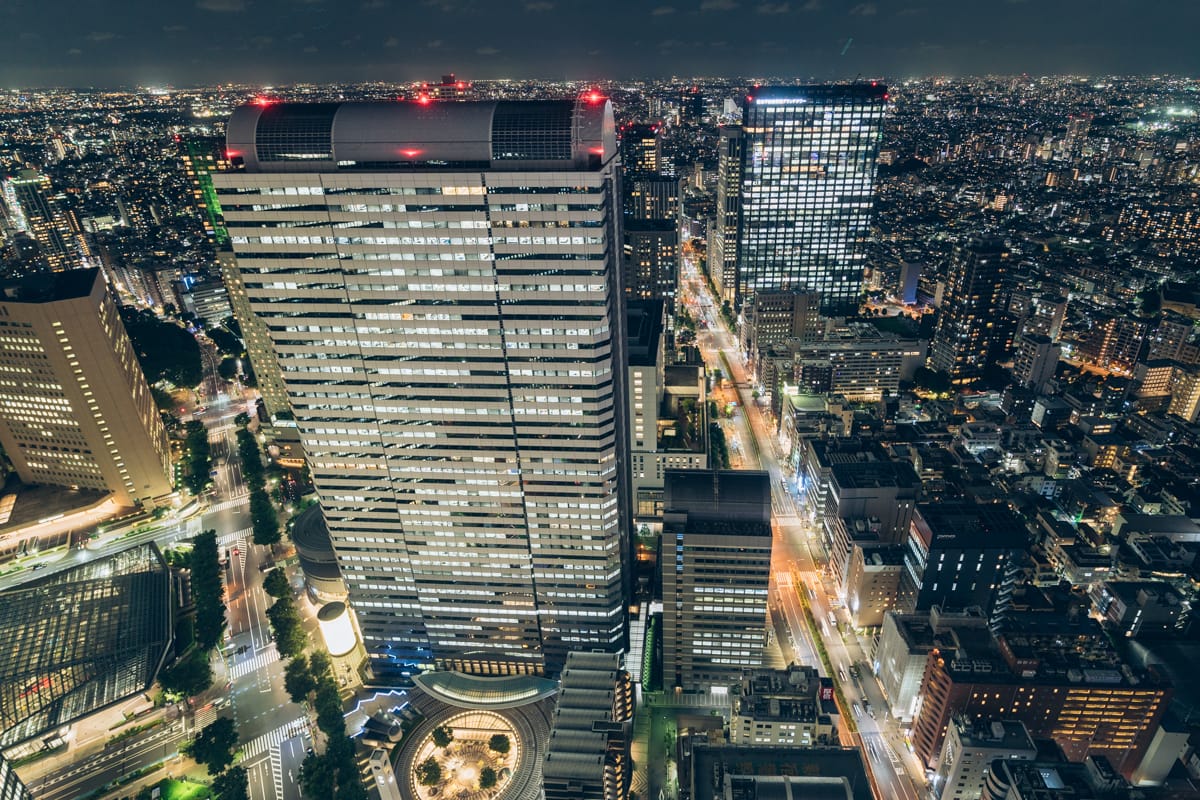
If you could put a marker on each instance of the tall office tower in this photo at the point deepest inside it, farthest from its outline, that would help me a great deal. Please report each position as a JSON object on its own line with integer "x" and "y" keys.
{"x": 203, "y": 156}
{"x": 641, "y": 150}
{"x": 587, "y": 757}
{"x": 716, "y": 564}
{"x": 448, "y": 326}
{"x": 259, "y": 348}
{"x": 967, "y": 328}
{"x": 34, "y": 212}
{"x": 653, "y": 197}
{"x": 723, "y": 231}
{"x": 650, "y": 260}
{"x": 75, "y": 409}
{"x": 807, "y": 185}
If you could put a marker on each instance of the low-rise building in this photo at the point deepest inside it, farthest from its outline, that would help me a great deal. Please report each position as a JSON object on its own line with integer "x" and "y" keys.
{"x": 970, "y": 748}
{"x": 793, "y": 706}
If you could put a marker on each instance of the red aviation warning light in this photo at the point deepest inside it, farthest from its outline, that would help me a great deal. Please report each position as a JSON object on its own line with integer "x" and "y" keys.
{"x": 410, "y": 153}
{"x": 593, "y": 96}
{"x": 424, "y": 99}
{"x": 263, "y": 101}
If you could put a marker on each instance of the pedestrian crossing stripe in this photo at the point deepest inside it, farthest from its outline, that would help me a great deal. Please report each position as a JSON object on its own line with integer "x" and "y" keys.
{"x": 260, "y": 660}
{"x": 272, "y": 739}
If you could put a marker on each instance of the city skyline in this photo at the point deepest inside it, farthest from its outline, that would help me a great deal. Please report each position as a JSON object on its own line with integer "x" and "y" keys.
{"x": 271, "y": 41}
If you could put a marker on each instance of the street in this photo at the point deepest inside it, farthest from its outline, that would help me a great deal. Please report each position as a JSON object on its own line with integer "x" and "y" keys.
{"x": 798, "y": 566}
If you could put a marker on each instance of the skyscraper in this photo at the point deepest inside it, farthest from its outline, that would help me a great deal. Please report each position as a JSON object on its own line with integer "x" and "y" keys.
{"x": 723, "y": 231}
{"x": 641, "y": 150}
{"x": 203, "y": 156}
{"x": 75, "y": 409}
{"x": 36, "y": 213}
{"x": 441, "y": 285}
{"x": 967, "y": 328}
{"x": 807, "y": 184}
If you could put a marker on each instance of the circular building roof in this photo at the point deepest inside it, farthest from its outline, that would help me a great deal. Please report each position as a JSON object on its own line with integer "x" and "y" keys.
{"x": 477, "y": 691}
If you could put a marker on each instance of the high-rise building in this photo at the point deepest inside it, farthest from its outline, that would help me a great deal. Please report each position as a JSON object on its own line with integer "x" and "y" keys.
{"x": 1035, "y": 361}
{"x": 806, "y": 189}
{"x": 716, "y": 564}
{"x": 967, "y": 328}
{"x": 641, "y": 150}
{"x": 652, "y": 197}
{"x": 723, "y": 230}
{"x": 448, "y": 328}
{"x": 650, "y": 259}
{"x": 970, "y": 747}
{"x": 776, "y": 317}
{"x": 202, "y": 156}
{"x": 259, "y": 348}
{"x": 38, "y": 214}
{"x": 75, "y": 408}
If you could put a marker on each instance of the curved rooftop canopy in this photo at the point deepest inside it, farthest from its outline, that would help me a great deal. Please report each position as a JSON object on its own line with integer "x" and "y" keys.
{"x": 510, "y": 135}
{"x": 478, "y": 691}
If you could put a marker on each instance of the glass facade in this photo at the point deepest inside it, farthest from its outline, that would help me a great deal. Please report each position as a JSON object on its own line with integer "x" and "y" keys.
{"x": 808, "y": 172}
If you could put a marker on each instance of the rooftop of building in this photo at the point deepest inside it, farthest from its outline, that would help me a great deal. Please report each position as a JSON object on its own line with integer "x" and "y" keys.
{"x": 1007, "y": 735}
{"x": 719, "y": 500}
{"x": 709, "y": 766}
{"x": 643, "y": 329}
{"x": 960, "y": 525}
{"x": 81, "y": 638}
{"x": 49, "y": 287}
{"x": 874, "y": 475}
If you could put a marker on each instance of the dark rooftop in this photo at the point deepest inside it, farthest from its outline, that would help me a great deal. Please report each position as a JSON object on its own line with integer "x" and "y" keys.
{"x": 49, "y": 287}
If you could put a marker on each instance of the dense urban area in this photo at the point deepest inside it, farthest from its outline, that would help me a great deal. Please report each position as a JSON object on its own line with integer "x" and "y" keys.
{"x": 797, "y": 441}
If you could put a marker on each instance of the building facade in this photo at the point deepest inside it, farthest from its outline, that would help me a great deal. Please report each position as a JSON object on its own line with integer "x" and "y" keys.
{"x": 808, "y": 158}
{"x": 716, "y": 565}
{"x": 441, "y": 286}
{"x": 968, "y": 328}
{"x": 723, "y": 230}
{"x": 75, "y": 408}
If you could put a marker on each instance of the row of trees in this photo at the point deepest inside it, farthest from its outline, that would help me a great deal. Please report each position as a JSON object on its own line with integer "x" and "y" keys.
{"x": 290, "y": 639}
{"x": 191, "y": 673}
{"x": 198, "y": 461}
{"x": 264, "y": 519}
{"x": 717, "y": 447}
{"x": 215, "y": 748}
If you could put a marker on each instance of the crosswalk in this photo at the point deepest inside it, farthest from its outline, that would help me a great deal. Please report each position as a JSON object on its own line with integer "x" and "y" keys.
{"x": 235, "y": 537}
{"x": 260, "y": 659}
{"x": 272, "y": 739}
{"x": 205, "y": 717}
{"x": 277, "y": 771}
{"x": 227, "y": 504}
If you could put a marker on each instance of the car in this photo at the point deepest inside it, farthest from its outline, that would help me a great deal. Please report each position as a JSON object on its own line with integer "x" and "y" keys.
{"x": 309, "y": 751}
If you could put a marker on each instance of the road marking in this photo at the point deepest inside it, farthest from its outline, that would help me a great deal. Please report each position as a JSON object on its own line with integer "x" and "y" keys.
{"x": 277, "y": 771}
{"x": 273, "y": 738}
{"x": 262, "y": 658}
{"x": 235, "y": 536}
{"x": 226, "y": 504}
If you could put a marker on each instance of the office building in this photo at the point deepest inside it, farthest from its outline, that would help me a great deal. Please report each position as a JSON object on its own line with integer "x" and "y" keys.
{"x": 760, "y": 772}
{"x": 792, "y": 706}
{"x": 963, "y": 555}
{"x": 872, "y": 583}
{"x": 451, "y": 87}
{"x": 34, "y": 211}
{"x": 868, "y": 502}
{"x": 652, "y": 197}
{"x": 1060, "y": 676}
{"x": 202, "y": 157}
{"x": 723, "y": 229}
{"x": 11, "y": 787}
{"x": 970, "y": 748}
{"x": 806, "y": 189}
{"x": 650, "y": 259}
{"x": 910, "y": 279}
{"x": 449, "y": 333}
{"x": 968, "y": 326}
{"x": 668, "y": 410}
{"x": 716, "y": 564}
{"x": 773, "y": 318}
{"x": 259, "y": 347}
{"x": 587, "y": 757}
{"x": 75, "y": 408}
{"x": 641, "y": 149}
{"x": 905, "y": 642}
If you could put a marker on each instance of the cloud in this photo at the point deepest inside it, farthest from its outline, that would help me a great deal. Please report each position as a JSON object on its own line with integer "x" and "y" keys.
{"x": 774, "y": 8}
{"x": 662, "y": 11}
{"x": 392, "y": 41}
{"x": 912, "y": 12}
{"x": 29, "y": 36}
{"x": 718, "y": 5}
{"x": 812, "y": 5}
{"x": 221, "y": 6}
{"x": 74, "y": 51}
{"x": 539, "y": 5}
{"x": 434, "y": 44}
{"x": 174, "y": 28}
{"x": 374, "y": 5}
{"x": 100, "y": 36}
{"x": 445, "y": 6}
{"x": 486, "y": 51}
{"x": 310, "y": 49}
{"x": 864, "y": 10}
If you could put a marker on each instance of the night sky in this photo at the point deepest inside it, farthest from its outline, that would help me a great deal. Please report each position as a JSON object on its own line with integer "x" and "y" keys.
{"x": 192, "y": 42}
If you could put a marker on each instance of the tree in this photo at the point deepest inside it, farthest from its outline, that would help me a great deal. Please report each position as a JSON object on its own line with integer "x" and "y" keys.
{"x": 242, "y": 419}
{"x": 499, "y": 743}
{"x": 329, "y": 709}
{"x": 226, "y": 342}
{"x": 442, "y": 736}
{"x": 233, "y": 784}
{"x": 188, "y": 676}
{"x": 320, "y": 665}
{"x": 275, "y": 583}
{"x": 228, "y": 368}
{"x": 298, "y": 680}
{"x": 196, "y": 448}
{"x": 936, "y": 382}
{"x": 429, "y": 772}
{"x": 214, "y": 746}
{"x": 207, "y": 590}
{"x": 165, "y": 351}
{"x": 487, "y": 778}
{"x": 265, "y": 521}
{"x": 290, "y": 639}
